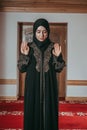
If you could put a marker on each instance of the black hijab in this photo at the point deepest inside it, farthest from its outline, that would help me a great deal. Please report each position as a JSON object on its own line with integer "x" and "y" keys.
{"x": 44, "y": 44}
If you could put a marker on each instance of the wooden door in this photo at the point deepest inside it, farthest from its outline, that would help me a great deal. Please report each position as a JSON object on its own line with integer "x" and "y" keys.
{"x": 58, "y": 34}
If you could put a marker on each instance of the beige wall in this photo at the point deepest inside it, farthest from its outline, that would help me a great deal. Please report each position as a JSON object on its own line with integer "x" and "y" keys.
{"x": 77, "y": 49}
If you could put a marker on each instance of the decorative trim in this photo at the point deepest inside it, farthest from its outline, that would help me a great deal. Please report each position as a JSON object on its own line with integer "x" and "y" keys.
{"x": 45, "y": 10}
{"x": 76, "y": 98}
{"x": 68, "y": 82}
{"x": 8, "y": 81}
{"x": 8, "y": 97}
{"x": 77, "y": 82}
{"x": 44, "y": 6}
{"x": 38, "y": 55}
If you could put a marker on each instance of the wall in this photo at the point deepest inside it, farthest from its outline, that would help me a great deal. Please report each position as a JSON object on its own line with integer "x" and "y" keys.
{"x": 76, "y": 41}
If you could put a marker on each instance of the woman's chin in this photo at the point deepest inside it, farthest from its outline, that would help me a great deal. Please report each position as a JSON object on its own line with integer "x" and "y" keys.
{"x": 41, "y": 40}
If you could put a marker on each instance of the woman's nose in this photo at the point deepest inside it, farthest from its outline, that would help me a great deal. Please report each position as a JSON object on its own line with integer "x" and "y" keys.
{"x": 42, "y": 34}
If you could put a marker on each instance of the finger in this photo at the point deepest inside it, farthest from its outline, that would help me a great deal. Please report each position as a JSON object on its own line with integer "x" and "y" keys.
{"x": 53, "y": 51}
{"x": 60, "y": 48}
{"x": 56, "y": 44}
{"x": 22, "y": 47}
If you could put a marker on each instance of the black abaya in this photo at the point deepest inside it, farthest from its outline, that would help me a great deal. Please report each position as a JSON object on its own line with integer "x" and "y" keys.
{"x": 41, "y": 88}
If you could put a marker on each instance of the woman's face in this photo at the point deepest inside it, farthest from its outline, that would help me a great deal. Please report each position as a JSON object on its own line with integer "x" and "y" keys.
{"x": 41, "y": 33}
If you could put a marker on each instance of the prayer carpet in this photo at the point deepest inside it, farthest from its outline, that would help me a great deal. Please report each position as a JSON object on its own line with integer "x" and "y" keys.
{"x": 72, "y": 115}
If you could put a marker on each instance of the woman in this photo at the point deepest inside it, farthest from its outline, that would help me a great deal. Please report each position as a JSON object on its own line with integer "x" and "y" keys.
{"x": 41, "y": 59}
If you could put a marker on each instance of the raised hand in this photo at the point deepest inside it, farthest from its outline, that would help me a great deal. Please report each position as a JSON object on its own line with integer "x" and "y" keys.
{"x": 57, "y": 49}
{"x": 24, "y": 48}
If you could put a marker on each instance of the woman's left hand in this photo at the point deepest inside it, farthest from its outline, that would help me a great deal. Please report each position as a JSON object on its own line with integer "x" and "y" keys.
{"x": 57, "y": 49}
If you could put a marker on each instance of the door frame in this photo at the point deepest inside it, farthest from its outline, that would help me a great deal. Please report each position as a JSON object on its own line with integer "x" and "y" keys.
{"x": 19, "y": 40}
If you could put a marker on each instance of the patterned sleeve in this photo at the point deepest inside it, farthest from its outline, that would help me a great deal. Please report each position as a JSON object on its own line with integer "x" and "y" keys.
{"x": 58, "y": 63}
{"x": 23, "y": 62}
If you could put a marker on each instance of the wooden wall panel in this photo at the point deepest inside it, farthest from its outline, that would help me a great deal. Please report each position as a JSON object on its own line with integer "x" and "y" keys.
{"x": 8, "y": 81}
{"x": 77, "y": 82}
{"x": 61, "y": 6}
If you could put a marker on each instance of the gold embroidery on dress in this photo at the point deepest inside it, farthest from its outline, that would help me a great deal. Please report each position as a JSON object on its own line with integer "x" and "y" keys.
{"x": 38, "y": 57}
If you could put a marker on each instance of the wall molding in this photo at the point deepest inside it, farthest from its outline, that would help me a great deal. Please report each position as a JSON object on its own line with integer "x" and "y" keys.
{"x": 8, "y": 81}
{"x": 76, "y": 82}
{"x": 68, "y": 82}
{"x": 8, "y": 97}
{"x": 64, "y": 6}
{"x": 76, "y": 99}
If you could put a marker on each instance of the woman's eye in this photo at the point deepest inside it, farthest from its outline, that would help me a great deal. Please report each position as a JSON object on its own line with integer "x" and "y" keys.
{"x": 45, "y": 32}
{"x": 38, "y": 31}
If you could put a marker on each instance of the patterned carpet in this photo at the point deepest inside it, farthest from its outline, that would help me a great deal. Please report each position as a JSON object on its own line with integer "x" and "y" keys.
{"x": 72, "y": 115}
{"x": 11, "y": 115}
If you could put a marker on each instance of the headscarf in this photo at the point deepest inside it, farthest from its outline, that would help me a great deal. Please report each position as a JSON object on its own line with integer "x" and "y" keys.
{"x": 41, "y": 44}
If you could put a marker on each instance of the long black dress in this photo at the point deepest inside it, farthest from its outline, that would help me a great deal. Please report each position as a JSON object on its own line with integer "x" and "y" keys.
{"x": 41, "y": 88}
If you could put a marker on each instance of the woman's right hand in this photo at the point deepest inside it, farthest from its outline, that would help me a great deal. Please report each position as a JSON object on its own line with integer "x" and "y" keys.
{"x": 24, "y": 48}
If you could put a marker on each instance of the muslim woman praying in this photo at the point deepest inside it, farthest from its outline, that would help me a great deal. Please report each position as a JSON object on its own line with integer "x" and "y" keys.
{"x": 41, "y": 60}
